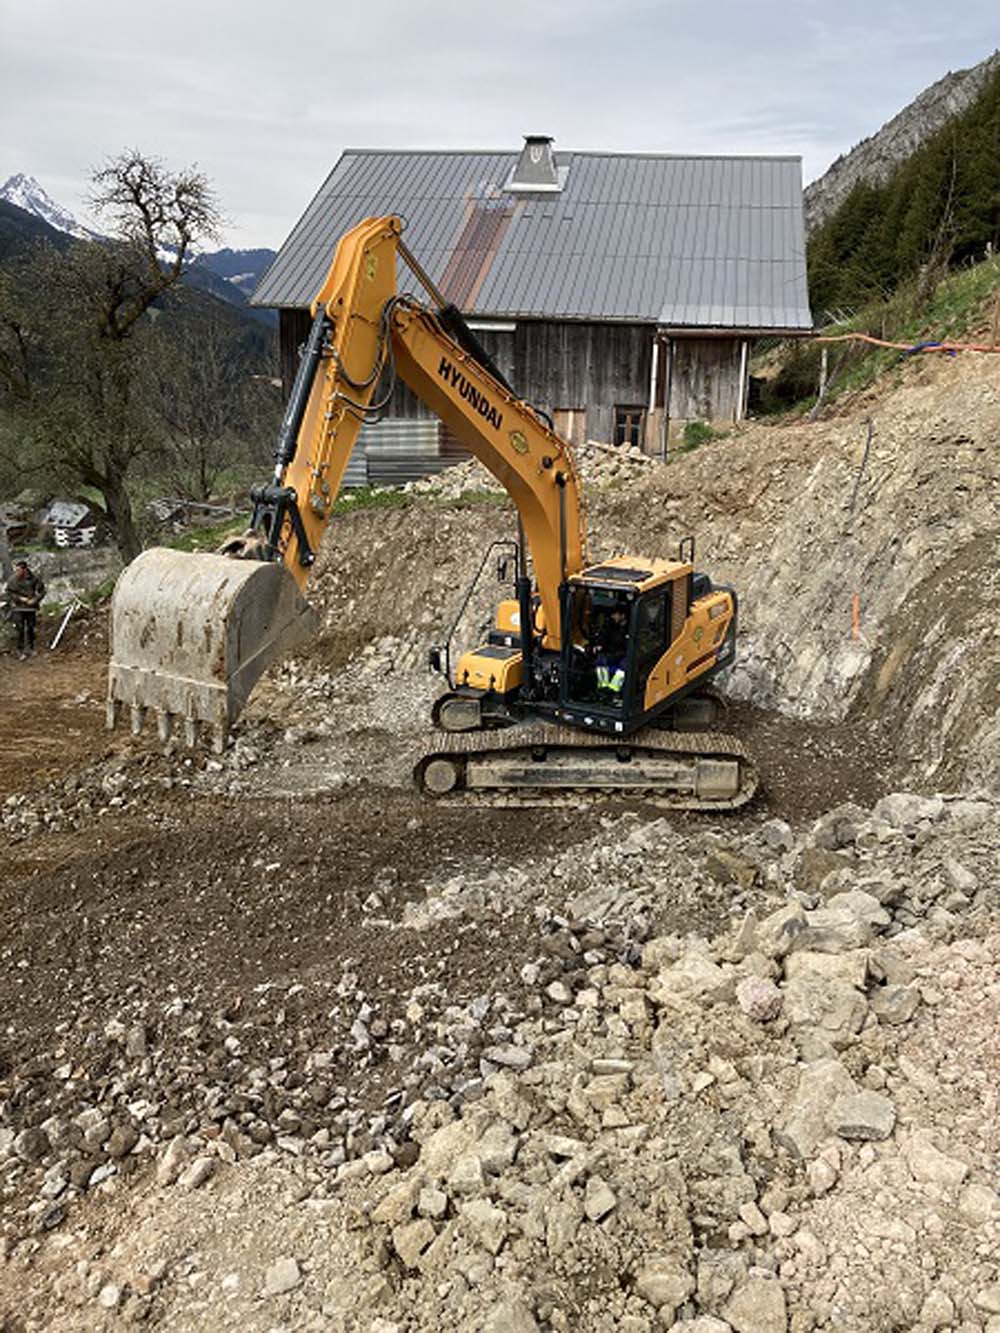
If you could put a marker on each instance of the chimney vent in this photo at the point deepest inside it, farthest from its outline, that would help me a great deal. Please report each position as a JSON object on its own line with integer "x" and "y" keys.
{"x": 535, "y": 170}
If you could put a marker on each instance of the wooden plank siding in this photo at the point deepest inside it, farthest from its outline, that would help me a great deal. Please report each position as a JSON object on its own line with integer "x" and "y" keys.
{"x": 556, "y": 365}
{"x": 574, "y": 367}
{"x": 705, "y": 382}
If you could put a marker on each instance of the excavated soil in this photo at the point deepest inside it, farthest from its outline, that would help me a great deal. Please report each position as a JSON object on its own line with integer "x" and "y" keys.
{"x": 287, "y": 965}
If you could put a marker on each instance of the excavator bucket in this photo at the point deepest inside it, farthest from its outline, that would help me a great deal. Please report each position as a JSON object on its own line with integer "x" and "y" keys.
{"x": 192, "y": 634}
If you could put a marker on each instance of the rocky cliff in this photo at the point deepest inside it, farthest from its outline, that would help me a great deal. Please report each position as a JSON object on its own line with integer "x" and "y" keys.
{"x": 875, "y": 158}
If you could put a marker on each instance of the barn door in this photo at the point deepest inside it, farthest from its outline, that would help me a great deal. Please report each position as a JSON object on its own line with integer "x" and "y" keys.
{"x": 571, "y": 423}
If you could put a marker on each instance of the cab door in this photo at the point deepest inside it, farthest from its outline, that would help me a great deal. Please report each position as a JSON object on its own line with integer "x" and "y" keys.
{"x": 651, "y": 629}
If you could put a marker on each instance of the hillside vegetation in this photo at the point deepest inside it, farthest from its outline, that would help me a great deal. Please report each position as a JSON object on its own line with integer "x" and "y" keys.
{"x": 939, "y": 209}
{"x": 912, "y": 260}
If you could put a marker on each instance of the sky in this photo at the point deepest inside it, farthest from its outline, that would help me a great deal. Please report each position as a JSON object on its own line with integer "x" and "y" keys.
{"x": 263, "y": 97}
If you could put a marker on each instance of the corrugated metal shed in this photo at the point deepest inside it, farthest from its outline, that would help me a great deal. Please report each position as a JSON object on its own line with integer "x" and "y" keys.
{"x": 685, "y": 242}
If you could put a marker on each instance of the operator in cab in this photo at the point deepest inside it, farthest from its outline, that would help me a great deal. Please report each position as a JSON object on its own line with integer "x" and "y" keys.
{"x": 611, "y": 642}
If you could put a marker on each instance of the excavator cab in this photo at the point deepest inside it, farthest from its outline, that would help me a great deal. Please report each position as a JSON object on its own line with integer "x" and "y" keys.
{"x": 631, "y": 646}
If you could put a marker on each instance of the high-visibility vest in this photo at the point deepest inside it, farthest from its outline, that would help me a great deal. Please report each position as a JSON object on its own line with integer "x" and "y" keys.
{"x": 610, "y": 680}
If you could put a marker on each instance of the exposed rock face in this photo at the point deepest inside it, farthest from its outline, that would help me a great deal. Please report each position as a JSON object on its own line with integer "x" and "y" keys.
{"x": 874, "y": 159}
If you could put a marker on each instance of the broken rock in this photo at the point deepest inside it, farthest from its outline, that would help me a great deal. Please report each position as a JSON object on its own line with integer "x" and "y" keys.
{"x": 664, "y": 1281}
{"x": 759, "y": 998}
{"x": 758, "y": 1306}
{"x": 821, "y": 1083}
{"x": 862, "y": 1115}
{"x": 693, "y": 979}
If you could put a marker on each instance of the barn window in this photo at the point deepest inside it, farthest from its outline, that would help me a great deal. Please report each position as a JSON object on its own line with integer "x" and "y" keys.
{"x": 629, "y": 424}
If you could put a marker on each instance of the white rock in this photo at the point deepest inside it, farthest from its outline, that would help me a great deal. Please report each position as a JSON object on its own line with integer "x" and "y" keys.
{"x": 820, "y": 1084}
{"x": 109, "y": 1296}
{"x": 598, "y": 1199}
{"x": 172, "y": 1161}
{"x": 978, "y": 1203}
{"x": 905, "y": 809}
{"x": 510, "y": 1316}
{"x": 693, "y": 979}
{"x": 283, "y": 1275}
{"x": 432, "y": 1203}
{"x": 758, "y": 1306}
{"x": 488, "y": 1225}
{"x": 938, "y": 1310}
{"x": 988, "y": 1299}
{"x": 511, "y": 1057}
{"x": 928, "y": 1164}
{"x": 467, "y": 1175}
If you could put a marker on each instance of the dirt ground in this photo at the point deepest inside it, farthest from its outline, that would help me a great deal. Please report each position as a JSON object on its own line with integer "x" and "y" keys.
{"x": 51, "y": 706}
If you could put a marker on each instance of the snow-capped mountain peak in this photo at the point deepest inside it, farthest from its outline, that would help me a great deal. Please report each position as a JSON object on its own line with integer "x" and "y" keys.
{"x": 25, "y": 192}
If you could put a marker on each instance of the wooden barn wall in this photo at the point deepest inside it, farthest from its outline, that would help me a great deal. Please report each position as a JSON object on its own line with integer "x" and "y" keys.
{"x": 705, "y": 383}
{"x": 293, "y": 330}
{"x": 596, "y": 367}
{"x": 558, "y": 366}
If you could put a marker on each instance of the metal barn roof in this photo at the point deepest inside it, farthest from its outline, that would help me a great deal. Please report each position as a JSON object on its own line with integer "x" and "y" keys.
{"x": 701, "y": 242}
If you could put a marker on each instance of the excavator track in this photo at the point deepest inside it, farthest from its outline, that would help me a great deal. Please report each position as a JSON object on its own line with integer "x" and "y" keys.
{"x": 540, "y": 764}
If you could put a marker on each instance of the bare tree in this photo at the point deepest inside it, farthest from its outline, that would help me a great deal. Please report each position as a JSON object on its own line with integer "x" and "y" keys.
{"x": 214, "y": 410}
{"x": 85, "y": 413}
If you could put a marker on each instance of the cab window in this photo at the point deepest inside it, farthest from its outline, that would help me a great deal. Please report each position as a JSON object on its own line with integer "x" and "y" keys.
{"x": 652, "y": 633}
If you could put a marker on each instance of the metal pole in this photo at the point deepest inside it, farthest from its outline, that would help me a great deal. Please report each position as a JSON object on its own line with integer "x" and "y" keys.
{"x": 653, "y": 367}
{"x": 741, "y": 404}
{"x": 669, "y": 395}
{"x": 406, "y": 254}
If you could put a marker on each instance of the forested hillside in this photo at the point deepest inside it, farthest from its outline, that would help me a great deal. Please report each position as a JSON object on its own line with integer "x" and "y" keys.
{"x": 939, "y": 209}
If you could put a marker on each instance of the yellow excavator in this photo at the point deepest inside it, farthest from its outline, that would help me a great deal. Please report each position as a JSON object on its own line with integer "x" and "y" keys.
{"x": 593, "y": 675}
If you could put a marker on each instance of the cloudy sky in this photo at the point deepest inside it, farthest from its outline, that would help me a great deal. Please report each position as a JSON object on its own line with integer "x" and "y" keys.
{"x": 264, "y": 96}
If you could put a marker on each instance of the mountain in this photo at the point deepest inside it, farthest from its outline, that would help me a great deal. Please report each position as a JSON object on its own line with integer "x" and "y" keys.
{"x": 937, "y": 209}
{"x": 230, "y": 275}
{"x": 24, "y": 192}
{"x": 19, "y": 230}
{"x": 874, "y": 160}
{"x": 243, "y": 268}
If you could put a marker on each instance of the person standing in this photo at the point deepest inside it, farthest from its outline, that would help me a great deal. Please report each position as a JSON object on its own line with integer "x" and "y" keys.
{"x": 24, "y": 593}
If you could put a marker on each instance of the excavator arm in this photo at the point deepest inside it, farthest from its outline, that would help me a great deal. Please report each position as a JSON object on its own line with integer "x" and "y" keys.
{"x": 366, "y": 327}
{"x": 192, "y": 634}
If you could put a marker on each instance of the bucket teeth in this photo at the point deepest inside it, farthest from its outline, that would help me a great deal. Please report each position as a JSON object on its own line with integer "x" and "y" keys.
{"x": 190, "y": 732}
{"x": 164, "y": 725}
{"x": 138, "y": 716}
{"x": 111, "y": 714}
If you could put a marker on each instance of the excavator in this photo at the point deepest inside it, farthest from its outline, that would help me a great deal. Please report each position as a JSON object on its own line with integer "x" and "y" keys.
{"x": 592, "y": 677}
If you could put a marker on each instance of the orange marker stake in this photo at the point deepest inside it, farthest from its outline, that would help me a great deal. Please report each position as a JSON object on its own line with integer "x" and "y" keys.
{"x": 857, "y": 616}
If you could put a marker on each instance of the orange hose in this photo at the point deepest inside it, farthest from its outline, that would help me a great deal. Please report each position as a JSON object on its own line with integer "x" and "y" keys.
{"x": 905, "y": 347}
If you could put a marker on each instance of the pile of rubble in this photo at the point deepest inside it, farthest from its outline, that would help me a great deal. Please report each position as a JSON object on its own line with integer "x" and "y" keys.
{"x": 660, "y": 1121}
{"x": 599, "y": 465}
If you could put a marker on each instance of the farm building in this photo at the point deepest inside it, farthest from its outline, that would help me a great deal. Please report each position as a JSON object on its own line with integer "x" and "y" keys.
{"x": 619, "y": 292}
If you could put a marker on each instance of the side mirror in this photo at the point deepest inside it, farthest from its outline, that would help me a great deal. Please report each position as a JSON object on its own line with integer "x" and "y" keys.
{"x": 434, "y": 660}
{"x": 503, "y": 569}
